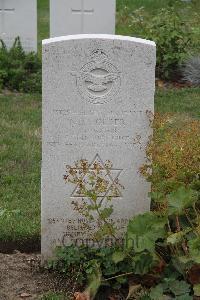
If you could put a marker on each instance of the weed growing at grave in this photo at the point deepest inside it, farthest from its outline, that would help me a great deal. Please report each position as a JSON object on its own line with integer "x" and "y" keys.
{"x": 19, "y": 71}
{"x": 161, "y": 254}
{"x": 94, "y": 191}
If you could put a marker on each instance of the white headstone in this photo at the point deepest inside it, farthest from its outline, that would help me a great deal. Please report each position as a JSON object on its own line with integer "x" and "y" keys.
{"x": 19, "y": 18}
{"x": 82, "y": 16}
{"x": 97, "y": 90}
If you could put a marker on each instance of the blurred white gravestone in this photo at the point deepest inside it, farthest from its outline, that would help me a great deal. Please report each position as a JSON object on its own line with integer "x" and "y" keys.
{"x": 82, "y": 16}
{"x": 97, "y": 90}
{"x": 19, "y": 18}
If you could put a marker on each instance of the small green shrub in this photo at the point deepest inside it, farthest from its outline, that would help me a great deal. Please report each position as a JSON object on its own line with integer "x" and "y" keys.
{"x": 19, "y": 71}
{"x": 172, "y": 39}
{"x": 171, "y": 36}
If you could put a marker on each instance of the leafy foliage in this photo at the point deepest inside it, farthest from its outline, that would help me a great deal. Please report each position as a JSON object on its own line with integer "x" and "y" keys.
{"x": 88, "y": 263}
{"x": 144, "y": 230}
{"x": 19, "y": 71}
{"x": 160, "y": 257}
{"x": 181, "y": 199}
{"x": 171, "y": 34}
{"x": 172, "y": 38}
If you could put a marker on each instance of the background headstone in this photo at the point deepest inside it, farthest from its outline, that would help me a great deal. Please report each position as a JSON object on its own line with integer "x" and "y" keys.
{"x": 19, "y": 18}
{"x": 97, "y": 91}
{"x": 82, "y": 16}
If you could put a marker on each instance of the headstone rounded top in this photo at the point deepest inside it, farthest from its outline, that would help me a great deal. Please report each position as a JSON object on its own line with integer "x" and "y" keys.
{"x": 98, "y": 93}
{"x": 97, "y": 36}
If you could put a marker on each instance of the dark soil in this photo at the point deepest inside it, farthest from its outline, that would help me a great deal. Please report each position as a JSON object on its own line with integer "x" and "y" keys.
{"x": 22, "y": 278}
{"x": 27, "y": 246}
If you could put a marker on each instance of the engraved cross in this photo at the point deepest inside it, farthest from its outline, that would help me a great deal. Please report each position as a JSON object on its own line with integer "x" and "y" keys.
{"x": 3, "y": 11}
{"x": 82, "y": 11}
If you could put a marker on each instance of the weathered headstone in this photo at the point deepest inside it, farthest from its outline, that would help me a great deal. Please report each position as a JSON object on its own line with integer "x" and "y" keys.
{"x": 19, "y": 18}
{"x": 97, "y": 92}
{"x": 82, "y": 16}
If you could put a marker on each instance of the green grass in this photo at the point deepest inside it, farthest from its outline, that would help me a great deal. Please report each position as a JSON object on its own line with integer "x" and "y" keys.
{"x": 43, "y": 21}
{"x": 179, "y": 101}
{"x": 20, "y": 120}
{"x": 20, "y": 156}
{"x": 54, "y": 296}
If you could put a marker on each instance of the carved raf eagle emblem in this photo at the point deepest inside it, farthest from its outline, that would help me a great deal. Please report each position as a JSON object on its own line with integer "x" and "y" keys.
{"x": 99, "y": 83}
{"x": 98, "y": 80}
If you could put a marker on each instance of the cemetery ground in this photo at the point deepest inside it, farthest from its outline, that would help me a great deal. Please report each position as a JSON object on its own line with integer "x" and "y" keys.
{"x": 20, "y": 123}
{"x": 20, "y": 163}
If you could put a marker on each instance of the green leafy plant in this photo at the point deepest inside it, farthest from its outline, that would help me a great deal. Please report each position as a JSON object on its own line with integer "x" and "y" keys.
{"x": 172, "y": 38}
{"x": 94, "y": 267}
{"x": 171, "y": 35}
{"x": 161, "y": 254}
{"x": 19, "y": 71}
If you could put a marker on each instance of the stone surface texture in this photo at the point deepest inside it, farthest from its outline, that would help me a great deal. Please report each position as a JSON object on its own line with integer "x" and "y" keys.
{"x": 97, "y": 92}
{"x": 82, "y": 16}
{"x": 19, "y": 18}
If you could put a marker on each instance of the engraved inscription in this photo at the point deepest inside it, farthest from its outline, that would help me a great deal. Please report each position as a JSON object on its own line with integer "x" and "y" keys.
{"x": 75, "y": 231}
{"x": 99, "y": 80}
{"x": 112, "y": 129}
